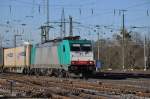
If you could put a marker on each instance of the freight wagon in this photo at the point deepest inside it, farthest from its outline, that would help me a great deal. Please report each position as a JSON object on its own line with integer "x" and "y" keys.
{"x": 57, "y": 57}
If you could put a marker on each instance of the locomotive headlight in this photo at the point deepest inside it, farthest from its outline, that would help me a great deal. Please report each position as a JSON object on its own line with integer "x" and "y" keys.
{"x": 91, "y": 62}
{"x": 72, "y": 62}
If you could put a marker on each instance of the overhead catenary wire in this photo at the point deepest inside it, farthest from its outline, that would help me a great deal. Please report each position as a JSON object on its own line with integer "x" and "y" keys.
{"x": 137, "y": 5}
{"x": 74, "y": 6}
{"x": 129, "y": 7}
{"x": 70, "y": 5}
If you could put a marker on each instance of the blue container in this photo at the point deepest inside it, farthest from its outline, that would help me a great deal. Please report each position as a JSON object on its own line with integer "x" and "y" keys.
{"x": 98, "y": 64}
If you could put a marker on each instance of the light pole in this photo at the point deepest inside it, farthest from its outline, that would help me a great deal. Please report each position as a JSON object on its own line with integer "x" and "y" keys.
{"x": 144, "y": 47}
{"x": 145, "y": 56}
{"x": 98, "y": 43}
{"x": 108, "y": 57}
{"x": 123, "y": 39}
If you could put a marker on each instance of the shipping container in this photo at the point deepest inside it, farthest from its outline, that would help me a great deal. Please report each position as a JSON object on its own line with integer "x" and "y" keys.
{"x": 17, "y": 57}
{"x": 9, "y": 57}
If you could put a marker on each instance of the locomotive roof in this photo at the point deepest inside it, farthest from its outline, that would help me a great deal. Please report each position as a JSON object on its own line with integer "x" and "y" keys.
{"x": 79, "y": 41}
{"x": 48, "y": 44}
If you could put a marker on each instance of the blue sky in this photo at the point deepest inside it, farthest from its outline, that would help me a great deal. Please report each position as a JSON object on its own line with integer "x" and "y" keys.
{"x": 14, "y": 13}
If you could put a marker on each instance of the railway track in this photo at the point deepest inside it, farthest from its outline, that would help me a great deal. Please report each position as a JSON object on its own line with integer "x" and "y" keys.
{"x": 62, "y": 88}
{"x": 121, "y": 75}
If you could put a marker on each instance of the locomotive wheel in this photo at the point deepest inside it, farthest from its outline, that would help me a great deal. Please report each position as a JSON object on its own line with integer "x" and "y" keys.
{"x": 25, "y": 71}
{"x": 59, "y": 73}
{"x": 54, "y": 73}
{"x": 1, "y": 69}
{"x": 67, "y": 74}
{"x": 49, "y": 72}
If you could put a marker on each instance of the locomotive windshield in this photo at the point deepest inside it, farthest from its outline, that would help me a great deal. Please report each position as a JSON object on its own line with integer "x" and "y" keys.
{"x": 75, "y": 47}
{"x": 86, "y": 47}
{"x": 81, "y": 47}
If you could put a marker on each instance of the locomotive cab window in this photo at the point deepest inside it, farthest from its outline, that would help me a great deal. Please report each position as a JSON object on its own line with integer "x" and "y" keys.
{"x": 86, "y": 47}
{"x": 75, "y": 47}
{"x": 63, "y": 48}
